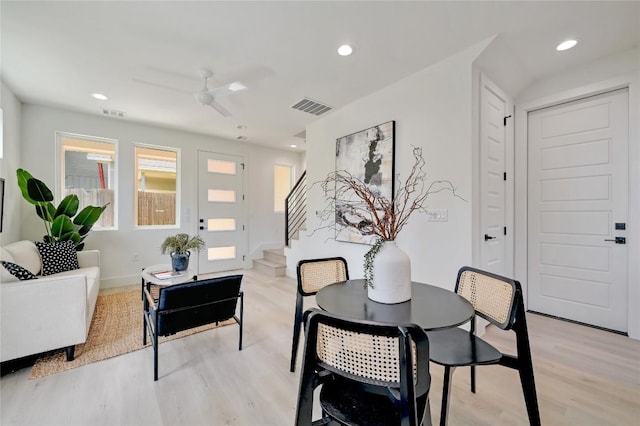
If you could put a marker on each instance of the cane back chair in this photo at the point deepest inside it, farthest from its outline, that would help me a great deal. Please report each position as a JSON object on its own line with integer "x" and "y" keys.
{"x": 314, "y": 274}
{"x": 371, "y": 373}
{"x": 498, "y": 300}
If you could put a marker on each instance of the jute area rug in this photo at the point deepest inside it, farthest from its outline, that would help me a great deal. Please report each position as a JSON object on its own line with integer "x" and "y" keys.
{"x": 116, "y": 329}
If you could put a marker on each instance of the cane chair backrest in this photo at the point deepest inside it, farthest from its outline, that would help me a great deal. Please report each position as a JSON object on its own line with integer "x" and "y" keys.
{"x": 314, "y": 274}
{"x": 372, "y": 353}
{"x": 493, "y": 297}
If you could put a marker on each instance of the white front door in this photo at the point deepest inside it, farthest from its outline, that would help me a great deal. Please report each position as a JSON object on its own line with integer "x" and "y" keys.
{"x": 496, "y": 121}
{"x": 578, "y": 205}
{"x": 221, "y": 212}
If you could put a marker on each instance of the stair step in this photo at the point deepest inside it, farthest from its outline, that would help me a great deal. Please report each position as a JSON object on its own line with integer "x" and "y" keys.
{"x": 270, "y": 268}
{"x": 275, "y": 255}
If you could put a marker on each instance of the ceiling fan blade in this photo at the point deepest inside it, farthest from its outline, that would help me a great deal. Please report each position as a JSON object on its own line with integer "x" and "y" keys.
{"x": 162, "y": 86}
{"x": 222, "y": 110}
{"x": 227, "y": 89}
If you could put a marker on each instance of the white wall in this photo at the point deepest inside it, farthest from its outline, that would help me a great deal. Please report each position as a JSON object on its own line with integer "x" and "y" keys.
{"x": 432, "y": 110}
{"x": 10, "y": 161}
{"x": 264, "y": 227}
{"x": 620, "y": 70}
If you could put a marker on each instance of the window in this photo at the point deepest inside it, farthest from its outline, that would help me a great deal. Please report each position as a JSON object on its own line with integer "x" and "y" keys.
{"x": 281, "y": 186}
{"x": 156, "y": 184}
{"x": 88, "y": 169}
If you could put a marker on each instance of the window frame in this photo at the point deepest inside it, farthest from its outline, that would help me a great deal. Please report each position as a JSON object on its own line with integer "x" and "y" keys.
{"x": 135, "y": 185}
{"x": 60, "y": 169}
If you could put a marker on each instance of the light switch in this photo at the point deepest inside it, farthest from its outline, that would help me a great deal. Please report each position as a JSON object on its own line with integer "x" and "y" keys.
{"x": 437, "y": 215}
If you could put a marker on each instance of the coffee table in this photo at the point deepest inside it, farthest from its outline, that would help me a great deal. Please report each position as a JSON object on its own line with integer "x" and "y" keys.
{"x": 149, "y": 278}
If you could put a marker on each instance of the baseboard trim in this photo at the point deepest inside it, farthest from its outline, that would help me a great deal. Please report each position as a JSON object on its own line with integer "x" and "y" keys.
{"x": 622, "y": 333}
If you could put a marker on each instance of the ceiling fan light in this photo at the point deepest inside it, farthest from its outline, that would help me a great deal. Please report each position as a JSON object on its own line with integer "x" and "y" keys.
{"x": 236, "y": 86}
{"x": 566, "y": 45}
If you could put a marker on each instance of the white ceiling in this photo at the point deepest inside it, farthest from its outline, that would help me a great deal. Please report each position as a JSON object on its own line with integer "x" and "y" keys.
{"x": 58, "y": 53}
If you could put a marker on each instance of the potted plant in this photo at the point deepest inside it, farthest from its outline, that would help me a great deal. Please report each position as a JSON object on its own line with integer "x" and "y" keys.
{"x": 374, "y": 214}
{"x": 61, "y": 223}
{"x": 179, "y": 247}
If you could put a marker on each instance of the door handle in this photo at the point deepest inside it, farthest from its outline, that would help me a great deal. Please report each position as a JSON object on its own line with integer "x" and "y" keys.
{"x": 619, "y": 240}
{"x": 488, "y": 237}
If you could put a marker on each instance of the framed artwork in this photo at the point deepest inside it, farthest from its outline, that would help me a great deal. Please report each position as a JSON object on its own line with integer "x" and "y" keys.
{"x": 368, "y": 156}
{"x": 1, "y": 202}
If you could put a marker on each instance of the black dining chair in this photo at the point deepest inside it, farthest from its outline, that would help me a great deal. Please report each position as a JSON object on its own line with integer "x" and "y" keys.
{"x": 184, "y": 306}
{"x": 371, "y": 373}
{"x": 498, "y": 300}
{"x": 314, "y": 274}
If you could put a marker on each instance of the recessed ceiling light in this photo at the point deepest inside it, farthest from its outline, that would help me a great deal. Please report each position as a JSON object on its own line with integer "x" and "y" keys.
{"x": 345, "y": 50}
{"x": 99, "y": 96}
{"x": 242, "y": 138}
{"x": 293, "y": 146}
{"x": 241, "y": 126}
{"x": 566, "y": 45}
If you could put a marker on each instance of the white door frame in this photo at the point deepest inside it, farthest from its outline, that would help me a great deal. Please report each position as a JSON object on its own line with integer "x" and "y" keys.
{"x": 632, "y": 81}
{"x": 509, "y": 184}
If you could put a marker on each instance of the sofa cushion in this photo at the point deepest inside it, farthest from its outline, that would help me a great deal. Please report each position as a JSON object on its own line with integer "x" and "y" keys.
{"x": 5, "y": 276}
{"x": 18, "y": 271}
{"x": 57, "y": 257}
{"x": 25, "y": 254}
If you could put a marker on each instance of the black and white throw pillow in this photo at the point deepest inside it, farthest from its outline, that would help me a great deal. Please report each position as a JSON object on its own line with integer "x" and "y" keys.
{"x": 58, "y": 257}
{"x": 18, "y": 271}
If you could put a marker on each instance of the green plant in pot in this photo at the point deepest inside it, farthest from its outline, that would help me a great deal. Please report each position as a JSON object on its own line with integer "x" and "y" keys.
{"x": 179, "y": 247}
{"x": 63, "y": 222}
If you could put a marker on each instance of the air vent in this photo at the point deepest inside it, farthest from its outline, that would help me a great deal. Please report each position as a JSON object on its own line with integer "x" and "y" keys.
{"x": 310, "y": 106}
{"x": 113, "y": 113}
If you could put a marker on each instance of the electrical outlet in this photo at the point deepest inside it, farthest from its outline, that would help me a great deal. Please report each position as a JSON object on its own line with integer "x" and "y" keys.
{"x": 135, "y": 257}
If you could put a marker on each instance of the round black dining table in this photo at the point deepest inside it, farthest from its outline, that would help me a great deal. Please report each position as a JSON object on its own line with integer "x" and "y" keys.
{"x": 430, "y": 307}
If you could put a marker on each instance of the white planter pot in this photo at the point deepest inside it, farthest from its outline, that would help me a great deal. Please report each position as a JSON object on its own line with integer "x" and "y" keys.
{"x": 391, "y": 275}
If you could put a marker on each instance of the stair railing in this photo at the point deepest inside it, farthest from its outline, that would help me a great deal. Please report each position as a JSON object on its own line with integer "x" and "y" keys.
{"x": 295, "y": 215}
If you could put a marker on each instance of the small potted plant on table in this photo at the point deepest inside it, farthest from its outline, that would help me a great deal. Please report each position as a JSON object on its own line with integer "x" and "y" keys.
{"x": 179, "y": 247}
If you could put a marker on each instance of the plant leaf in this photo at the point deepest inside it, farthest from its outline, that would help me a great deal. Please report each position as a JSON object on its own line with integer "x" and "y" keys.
{"x": 23, "y": 178}
{"x": 73, "y": 236}
{"x": 89, "y": 215}
{"x": 61, "y": 225}
{"x": 68, "y": 206}
{"x": 46, "y": 211}
{"x": 39, "y": 191}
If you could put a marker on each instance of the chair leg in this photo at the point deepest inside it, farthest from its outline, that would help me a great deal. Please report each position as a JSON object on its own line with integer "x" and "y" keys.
{"x": 144, "y": 328}
{"x": 525, "y": 366}
{"x": 446, "y": 394}
{"x": 154, "y": 341}
{"x": 297, "y": 322}
{"x": 530, "y": 397}
{"x": 473, "y": 379}
{"x": 241, "y": 319}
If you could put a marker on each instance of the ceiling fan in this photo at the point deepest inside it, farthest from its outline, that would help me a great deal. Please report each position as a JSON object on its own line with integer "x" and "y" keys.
{"x": 206, "y": 96}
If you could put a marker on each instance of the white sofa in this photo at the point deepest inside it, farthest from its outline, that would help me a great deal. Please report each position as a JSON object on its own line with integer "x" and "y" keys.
{"x": 49, "y": 312}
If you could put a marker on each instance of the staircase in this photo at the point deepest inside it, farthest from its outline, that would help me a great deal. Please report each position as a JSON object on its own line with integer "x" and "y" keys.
{"x": 273, "y": 263}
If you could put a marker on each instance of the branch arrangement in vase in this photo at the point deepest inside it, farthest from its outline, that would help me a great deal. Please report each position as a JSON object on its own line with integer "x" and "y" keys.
{"x": 374, "y": 214}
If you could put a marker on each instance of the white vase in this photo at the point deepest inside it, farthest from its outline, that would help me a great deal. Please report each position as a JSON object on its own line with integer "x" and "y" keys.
{"x": 391, "y": 275}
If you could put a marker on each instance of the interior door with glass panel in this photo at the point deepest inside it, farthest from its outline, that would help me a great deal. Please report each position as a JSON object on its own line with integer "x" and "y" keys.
{"x": 221, "y": 212}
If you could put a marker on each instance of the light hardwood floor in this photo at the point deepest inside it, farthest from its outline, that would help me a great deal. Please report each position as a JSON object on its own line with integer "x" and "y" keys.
{"x": 584, "y": 376}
